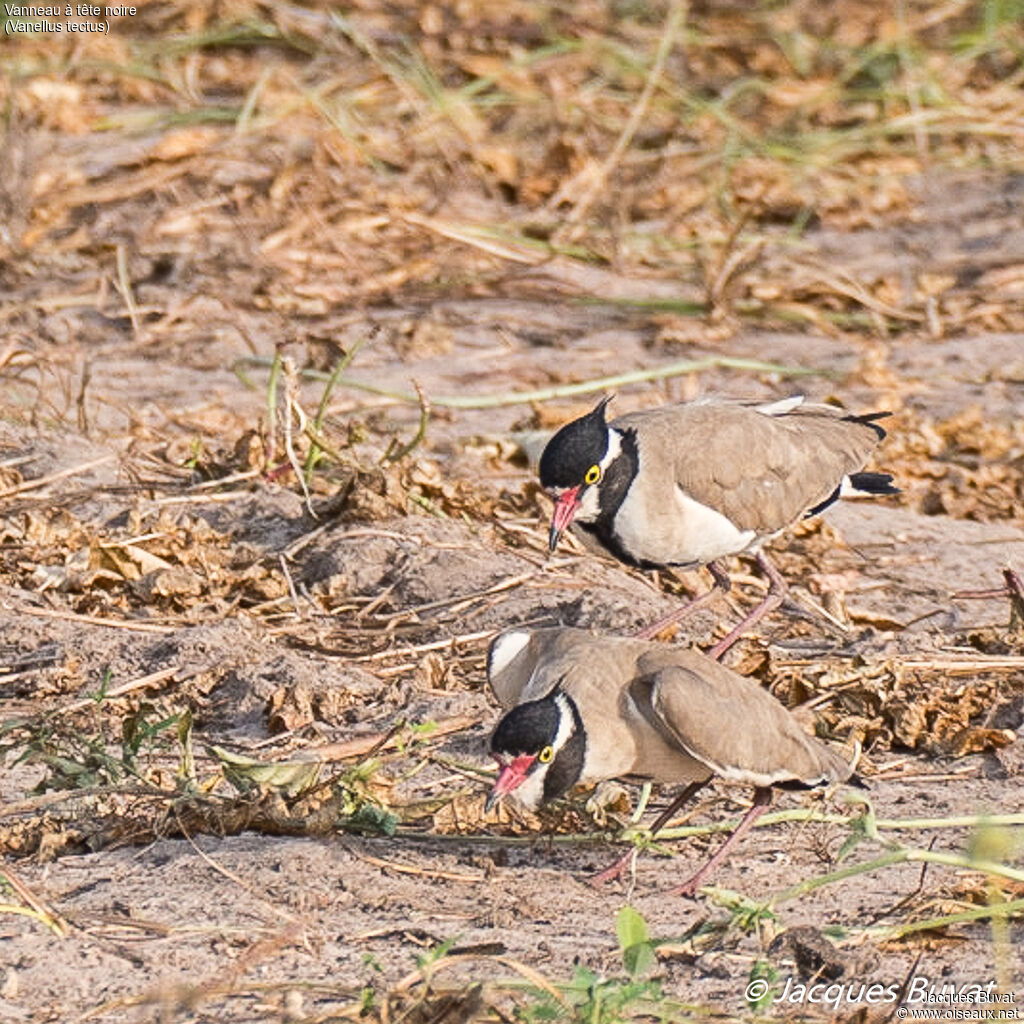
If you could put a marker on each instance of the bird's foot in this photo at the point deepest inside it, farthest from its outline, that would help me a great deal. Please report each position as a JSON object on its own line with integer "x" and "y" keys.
{"x": 613, "y": 872}
{"x": 690, "y": 886}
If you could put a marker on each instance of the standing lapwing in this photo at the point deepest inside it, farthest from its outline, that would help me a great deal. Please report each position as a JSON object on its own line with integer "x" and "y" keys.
{"x": 685, "y": 485}
{"x": 582, "y": 708}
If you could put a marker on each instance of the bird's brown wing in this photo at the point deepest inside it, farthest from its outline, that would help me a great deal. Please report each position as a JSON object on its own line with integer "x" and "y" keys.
{"x": 730, "y": 724}
{"x": 760, "y": 470}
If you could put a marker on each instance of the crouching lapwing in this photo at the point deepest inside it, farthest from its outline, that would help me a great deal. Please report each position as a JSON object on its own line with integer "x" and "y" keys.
{"x": 582, "y": 708}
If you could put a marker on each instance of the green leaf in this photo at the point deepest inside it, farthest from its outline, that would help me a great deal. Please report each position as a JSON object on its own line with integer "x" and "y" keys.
{"x": 637, "y": 952}
{"x": 630, "y": 928}
{"x": 373, "y": 820}
{"x": 760, "y": 990}
{"x": 247, "y": 773}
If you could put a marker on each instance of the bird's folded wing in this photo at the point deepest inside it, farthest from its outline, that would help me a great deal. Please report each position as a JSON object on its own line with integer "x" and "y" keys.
{"x": 760, "y": 471}
{"x": 736, "y": 728}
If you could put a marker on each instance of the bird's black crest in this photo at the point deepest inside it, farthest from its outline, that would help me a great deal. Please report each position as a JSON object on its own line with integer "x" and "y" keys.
{"x": 527, "y": 729}
{"x": 574, "y": 449}
{"x": 868, "y": 420}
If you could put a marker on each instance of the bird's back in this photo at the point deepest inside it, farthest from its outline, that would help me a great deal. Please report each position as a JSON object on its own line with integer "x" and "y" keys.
{"x": 760, "y": 467}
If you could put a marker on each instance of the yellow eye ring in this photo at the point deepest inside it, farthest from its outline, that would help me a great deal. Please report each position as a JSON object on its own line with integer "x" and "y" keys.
{"x": 593, "y": 475}
{"x": 546, "y": 754}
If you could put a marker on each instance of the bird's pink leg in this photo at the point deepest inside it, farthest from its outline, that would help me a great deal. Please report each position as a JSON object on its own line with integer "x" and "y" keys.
{"x": 762, "y": 800}
{"x": 777, "y": 590}
{"x": 722, "y": 583}
{"x": 617, "y": 869}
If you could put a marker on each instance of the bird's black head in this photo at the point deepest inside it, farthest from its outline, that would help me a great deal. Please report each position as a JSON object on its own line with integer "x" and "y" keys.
{"x": 573, "y": 452}
{"x": 540, "y": 747}
{"x": 527, "y": 729}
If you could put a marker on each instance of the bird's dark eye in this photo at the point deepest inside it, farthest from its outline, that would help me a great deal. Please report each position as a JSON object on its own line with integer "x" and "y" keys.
{"x": 593, "y": 475}
{"x": 546, "y": 754}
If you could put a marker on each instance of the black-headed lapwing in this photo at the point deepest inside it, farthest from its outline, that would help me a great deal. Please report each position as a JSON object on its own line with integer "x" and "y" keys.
{"x": 584, "y": 708}
{"x": 684, "y": 485}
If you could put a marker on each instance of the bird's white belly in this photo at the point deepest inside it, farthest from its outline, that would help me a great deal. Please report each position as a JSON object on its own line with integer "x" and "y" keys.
{"x": 677, "y": 530}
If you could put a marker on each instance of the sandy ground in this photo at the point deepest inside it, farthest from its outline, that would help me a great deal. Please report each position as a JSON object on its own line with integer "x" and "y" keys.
{"x": 168, "y": 600}
{"x": 251, "y": 926}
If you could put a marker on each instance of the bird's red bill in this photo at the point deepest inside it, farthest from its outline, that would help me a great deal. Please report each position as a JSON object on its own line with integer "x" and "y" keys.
{"x": 512, "y": 776}
{"x": 566, "y": 505}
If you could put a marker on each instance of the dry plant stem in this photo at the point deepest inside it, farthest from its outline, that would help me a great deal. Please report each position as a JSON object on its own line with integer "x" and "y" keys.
{"x": 80, "y": 403}
{"x": 270, "y": 450}
{"x": 412, "y": 869}
{"x": 434, "y": 645}
{"x": 119, "y": 691}
{"x": 993, "y": 911}
{"x": 571, "y": 230}
{"x": 1013, "y": 588}
{"x": 365, "y": 745}
{"x": 42, "y": 481}
{"x": 762, "y": 801}
{"x": 676, "y": 369}
{"x": 35, "y": 907}
{"x": 777, "y": 590}
{"x": 124, "y": 286}
{"x": 35, "y": 803}
{"x": 722, "y": 583}
{"x": 232, "y": 877}
{"x": 900, "y": 855}
{"x": 96, "y": 620}
{"x": 293, "y": 408}
{"x": 532, "y": 976}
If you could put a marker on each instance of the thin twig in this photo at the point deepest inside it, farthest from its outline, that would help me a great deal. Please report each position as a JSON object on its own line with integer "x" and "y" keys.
{"x": 42, "y": 481}
{"x": 96, "y": 620}
{"x": 124, "y": 286}
{"x": 133, "y": 684}
{"x": 36, "y": 907}
{"x": 294, "y": 408}
{"x": 365, "y": 745}
{"x": 80, "y": 403}
{"x": 411, "y": 869}
{"x": 232, "y": 877}
{"x": 407, "y": 449}
{"x": 275, "y": 374}
{"x": 673, "y": 23}
{"x": 435, "y": 645}
{"x": 291, "y": 587}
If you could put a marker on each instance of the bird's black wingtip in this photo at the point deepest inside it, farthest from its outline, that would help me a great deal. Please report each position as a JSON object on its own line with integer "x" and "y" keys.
{"x": 873, "y": 483}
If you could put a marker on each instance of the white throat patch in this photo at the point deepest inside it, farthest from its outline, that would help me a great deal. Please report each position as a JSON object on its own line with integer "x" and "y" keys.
{"x": 531, "y": 793}
{"x": 566, "y": 721}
